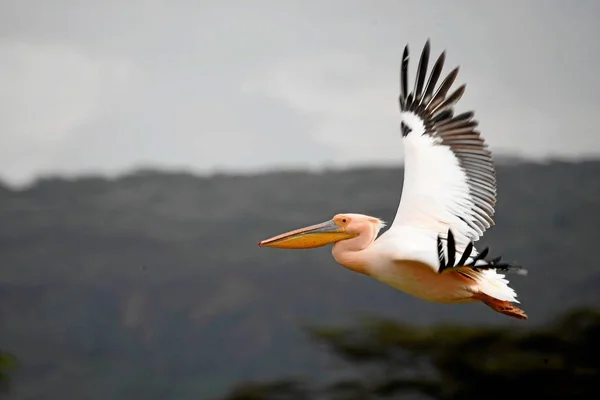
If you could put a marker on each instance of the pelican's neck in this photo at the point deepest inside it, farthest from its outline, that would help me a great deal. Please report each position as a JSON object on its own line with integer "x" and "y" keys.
{"x": 352, "y": 254}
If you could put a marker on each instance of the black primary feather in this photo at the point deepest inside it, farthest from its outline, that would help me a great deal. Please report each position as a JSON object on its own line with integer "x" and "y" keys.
{"x": 466, "y": 254}
{"x": 421, "y": 73}
{"x": 404, "y": 79}
{"x": 458, "y": 132}
{"x": 451, "y": 248}
{"x": 440, "y": 247}
{"x": 447, "y": 260}
{"x": 433, "y": 78}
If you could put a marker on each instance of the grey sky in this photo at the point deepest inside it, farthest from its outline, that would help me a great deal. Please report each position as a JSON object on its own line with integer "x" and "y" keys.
{"x": 103, "y": 86}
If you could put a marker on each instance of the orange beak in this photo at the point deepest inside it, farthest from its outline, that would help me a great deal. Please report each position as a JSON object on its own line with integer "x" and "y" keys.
{"x": 309, "y": 238}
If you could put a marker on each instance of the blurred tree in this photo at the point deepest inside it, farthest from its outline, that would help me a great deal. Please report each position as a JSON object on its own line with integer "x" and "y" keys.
{"x": 7, "y": 363}
{"x": 391, "y": 360}
{"x": 280, "y": 390}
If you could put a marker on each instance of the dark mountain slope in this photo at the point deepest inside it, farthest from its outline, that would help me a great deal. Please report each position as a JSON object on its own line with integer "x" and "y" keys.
{"x": 152, "y": 285}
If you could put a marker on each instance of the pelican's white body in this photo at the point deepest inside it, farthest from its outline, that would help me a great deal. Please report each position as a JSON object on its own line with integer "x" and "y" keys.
{"x": 405, "y": 258}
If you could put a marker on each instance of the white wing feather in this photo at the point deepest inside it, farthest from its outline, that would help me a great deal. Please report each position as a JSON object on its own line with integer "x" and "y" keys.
{"x": 449, "y": 177}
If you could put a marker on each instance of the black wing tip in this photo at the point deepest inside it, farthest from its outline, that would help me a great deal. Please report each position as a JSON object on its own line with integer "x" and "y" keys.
{"x": 447, "y": 260}
{"x": 422, "y": 101}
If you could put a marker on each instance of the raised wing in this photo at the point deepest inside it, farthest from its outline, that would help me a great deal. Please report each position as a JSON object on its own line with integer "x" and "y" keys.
{"x": 449, "y": 176}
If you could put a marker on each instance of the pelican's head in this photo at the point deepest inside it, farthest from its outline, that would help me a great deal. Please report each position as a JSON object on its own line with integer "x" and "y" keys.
{"x": 340, "y": 227}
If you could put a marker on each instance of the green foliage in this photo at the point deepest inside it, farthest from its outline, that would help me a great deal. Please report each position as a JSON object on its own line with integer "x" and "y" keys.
{"x": 558, "y": 361}
{"x": 280, "y": 390}
{"x": 8, "y": 362}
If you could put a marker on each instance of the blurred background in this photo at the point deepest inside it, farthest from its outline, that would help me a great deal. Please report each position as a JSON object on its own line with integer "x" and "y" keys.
{"x": 148, "y": 145}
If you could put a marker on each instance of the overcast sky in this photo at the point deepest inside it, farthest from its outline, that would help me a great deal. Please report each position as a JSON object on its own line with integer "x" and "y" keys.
{"x": 106, "y": 86}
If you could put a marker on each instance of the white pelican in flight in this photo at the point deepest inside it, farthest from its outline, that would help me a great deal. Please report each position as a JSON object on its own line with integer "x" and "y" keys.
{"x": 447, "y": 203}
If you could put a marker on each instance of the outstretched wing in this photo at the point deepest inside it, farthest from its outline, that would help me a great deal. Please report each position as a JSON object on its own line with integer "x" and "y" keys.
{"x": 449, "y": 176}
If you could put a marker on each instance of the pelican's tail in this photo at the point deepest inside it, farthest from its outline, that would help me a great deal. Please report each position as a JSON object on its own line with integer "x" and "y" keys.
{"x": 488, "y": 284}
{"x": 491, "y": 288}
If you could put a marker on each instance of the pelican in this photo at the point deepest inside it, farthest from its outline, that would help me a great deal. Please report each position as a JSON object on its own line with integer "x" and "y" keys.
{"x": 447, "y": 203}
